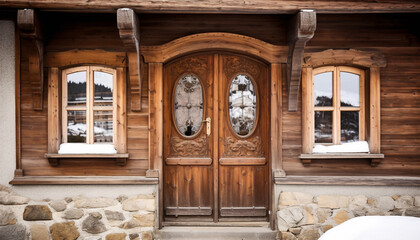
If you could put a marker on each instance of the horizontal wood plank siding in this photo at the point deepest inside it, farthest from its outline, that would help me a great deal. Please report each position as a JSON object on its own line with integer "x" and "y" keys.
{"x": 400, "y": 95}
{"x": 394, "y": 35}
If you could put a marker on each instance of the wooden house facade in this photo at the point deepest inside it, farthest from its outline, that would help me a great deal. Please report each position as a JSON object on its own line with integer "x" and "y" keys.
{"x": 217, "y": 104}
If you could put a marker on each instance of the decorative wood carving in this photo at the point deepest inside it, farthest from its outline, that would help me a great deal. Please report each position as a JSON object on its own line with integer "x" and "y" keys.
{"x": 196, "y": 65}
{"x": 190, "y": 148}
{"x": 128, "y": 26}
{"x": 215, "y": 41}
{"x": 243, "y": 148}
{"x": 344, "y": 57}
{"x": 240, "y": 65}
{"x": 302, "y": 28}
{"x": 30, "y": 29}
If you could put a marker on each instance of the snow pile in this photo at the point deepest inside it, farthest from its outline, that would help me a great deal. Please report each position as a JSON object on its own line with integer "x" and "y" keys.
{"x": 376, "y": 227}
{"x": 354, "y": 147}
{"x": 83, "y": 148}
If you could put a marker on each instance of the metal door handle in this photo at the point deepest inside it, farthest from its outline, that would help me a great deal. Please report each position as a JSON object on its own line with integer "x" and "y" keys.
{"x": 208, "y": 126}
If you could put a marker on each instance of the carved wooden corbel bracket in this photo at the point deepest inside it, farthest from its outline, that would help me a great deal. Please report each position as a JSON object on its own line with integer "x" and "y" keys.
{"x": 128, "y": 26}
{"x": 30, "y": 29}
{"x": 301, "y": 29}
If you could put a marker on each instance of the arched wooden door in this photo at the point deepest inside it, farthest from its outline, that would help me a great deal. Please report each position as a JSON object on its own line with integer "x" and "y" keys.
{"x": 216, "y": 135}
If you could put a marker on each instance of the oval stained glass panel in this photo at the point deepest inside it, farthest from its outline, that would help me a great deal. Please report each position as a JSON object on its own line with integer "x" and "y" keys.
{"x": 242, "y": 105}
{"x": 188, "y": 105}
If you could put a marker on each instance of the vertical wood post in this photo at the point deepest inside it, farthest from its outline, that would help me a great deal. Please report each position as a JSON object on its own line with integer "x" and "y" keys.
{"x": 121, "y": 111}
{"x": 54, "y": 115}
{"x": 155, "y": 115}
{"x": 375, "y": 111}
{"x": 156, "y": 130}
{"x": 307, "y": 113}
{"x": 275, "y": 120}
{"x": 19, "y": 170}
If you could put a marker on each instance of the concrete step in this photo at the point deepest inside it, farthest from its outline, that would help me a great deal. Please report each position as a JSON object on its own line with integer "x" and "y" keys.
{"x": 216, "y": 233}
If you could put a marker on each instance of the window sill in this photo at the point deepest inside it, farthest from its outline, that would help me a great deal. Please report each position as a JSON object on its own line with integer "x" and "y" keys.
{"x": 307, "y": 158}
{"x": 119, "y": 158}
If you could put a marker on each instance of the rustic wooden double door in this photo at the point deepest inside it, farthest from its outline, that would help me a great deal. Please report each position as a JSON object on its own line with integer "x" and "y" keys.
{"x": 216, "y": 135}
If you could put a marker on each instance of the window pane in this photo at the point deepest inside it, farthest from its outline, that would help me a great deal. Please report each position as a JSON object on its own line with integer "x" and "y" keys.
{"x": 323, "y": 127}
{"x": 242, "y": 105}
{"x": 76, "y": 126}
{"x": 103, "y": 88}
{"x": 349, "y": 92}
{"x": 103, "y": 128}
{"x": 76, "y": 89}
{"x": 323, "y": 93}
{"x": 188, "y": 107}
{"x": 349, "y": 126}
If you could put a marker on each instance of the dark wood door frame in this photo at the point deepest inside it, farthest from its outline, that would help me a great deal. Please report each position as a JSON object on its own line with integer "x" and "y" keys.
{"x": 156, "y": 56}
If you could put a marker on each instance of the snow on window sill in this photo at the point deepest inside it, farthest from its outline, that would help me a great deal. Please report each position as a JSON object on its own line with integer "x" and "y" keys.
{"x": 83, "y": 148}
{"x": 353, "y": 150}
{"x": 350, "y": 147}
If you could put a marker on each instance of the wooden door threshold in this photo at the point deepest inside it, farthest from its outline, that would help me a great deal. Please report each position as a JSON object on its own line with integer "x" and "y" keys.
{"x": 218, "y": 224}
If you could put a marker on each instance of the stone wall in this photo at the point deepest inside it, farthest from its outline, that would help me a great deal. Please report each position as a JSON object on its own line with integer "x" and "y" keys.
{"x": 71, "y": 218}
{"x": 304, "y": 216}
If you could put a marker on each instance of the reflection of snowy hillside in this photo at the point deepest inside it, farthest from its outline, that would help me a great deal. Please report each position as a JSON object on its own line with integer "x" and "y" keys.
{"x": 78, "y": 129}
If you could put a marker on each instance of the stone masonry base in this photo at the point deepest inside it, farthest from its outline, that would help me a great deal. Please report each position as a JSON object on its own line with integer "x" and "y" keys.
{"x": 306, "y": 217}
{"x": 123, "y": 218}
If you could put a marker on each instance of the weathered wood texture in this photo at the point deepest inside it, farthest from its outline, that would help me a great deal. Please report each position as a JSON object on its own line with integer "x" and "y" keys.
{"x": 77, "y": 43}
{"x": 398, "y": 40}
{"x": 301, "y": 29}
{"x": 394, "y": 35}
{"x": 128, "y": 26}
{"x": 30, "y": 29}
{"x": 225, "y": 6}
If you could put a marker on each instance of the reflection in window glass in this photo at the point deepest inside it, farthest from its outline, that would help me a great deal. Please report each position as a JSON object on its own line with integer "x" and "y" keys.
{"x": 242, "y": 105}
{"x": 103, "y": 88}
{"x": 188, "y": 107}
{"x": 323, "y": 127}
{"x": 76, "y": 126}
{"x": 349, "y": 126}
{"x": 103, "y": 128}
{"x": 76, "y": 88}
{"x": 349, "y": 92}
{"x": 323, "y": 84}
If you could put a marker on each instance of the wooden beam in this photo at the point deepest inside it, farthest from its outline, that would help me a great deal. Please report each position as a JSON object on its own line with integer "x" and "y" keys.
{"x": 83, "y": 180}
{"x": 226, "y": 6}
{"x": 344, "y": 57}
{"x": 128, "y": 26}
{"x": 301, "y": 29}
{"x": 29, "y": 27}
{"x": 215, "y": 41}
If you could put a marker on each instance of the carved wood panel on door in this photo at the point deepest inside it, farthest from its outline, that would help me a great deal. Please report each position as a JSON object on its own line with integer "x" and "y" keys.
{"x": 215, "y": 161}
